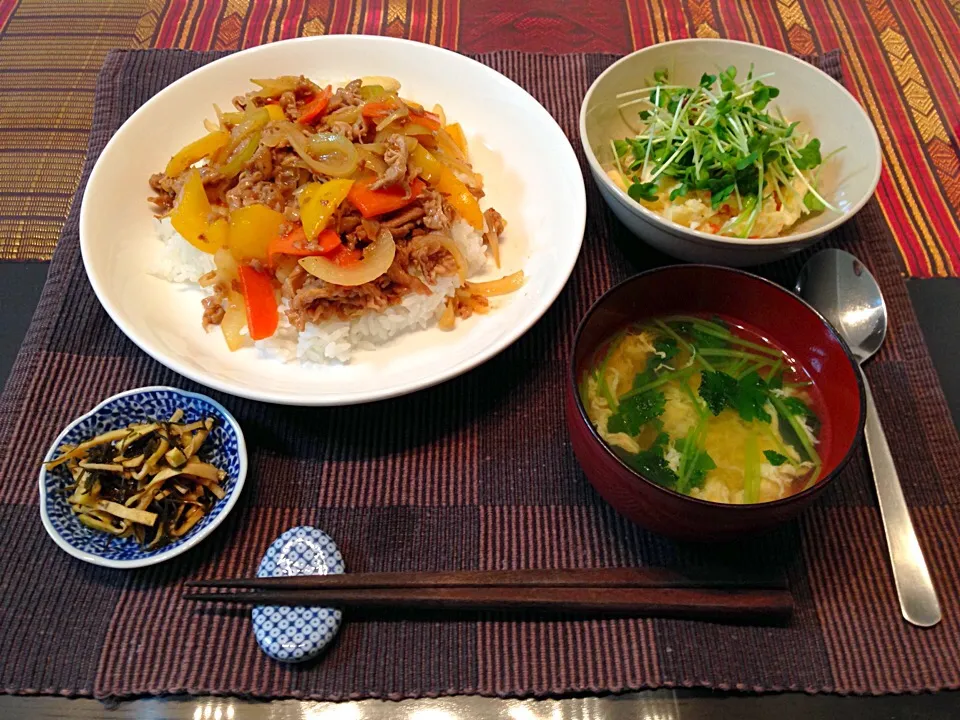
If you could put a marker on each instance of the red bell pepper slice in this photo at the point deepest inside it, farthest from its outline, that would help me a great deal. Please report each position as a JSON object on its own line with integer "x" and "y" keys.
{"x": 372, "y": 203}
{"x": 260, "y": 301}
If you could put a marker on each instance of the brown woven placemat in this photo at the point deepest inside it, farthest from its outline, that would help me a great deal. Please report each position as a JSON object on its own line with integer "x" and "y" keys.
{"x": 476, "y": 473}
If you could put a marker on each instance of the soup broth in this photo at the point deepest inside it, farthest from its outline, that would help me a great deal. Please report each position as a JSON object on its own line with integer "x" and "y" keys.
{"x": 706, "y": 408}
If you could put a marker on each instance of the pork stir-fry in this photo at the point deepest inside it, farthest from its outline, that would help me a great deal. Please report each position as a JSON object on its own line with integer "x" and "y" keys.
{"x": 324, "y": 204}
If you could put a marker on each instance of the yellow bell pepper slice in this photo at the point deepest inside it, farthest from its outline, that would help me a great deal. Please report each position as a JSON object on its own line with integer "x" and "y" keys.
{"x": 251, "y": 230}
{"x": 430, "y": 168}
{"x": 218, "y": 233}
{"x": 276, "y": 112}
{"x": 191, "y": 213}
{"x": 318, "y": 202}
{"x": 442, "y": 178}
{"x": 456, "y": 134}
{"x": 461, "y": 199}
{"x": 197, "y": 150}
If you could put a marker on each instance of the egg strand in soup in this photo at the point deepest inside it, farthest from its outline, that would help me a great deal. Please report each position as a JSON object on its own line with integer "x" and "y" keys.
{"x": 705, "y": 409}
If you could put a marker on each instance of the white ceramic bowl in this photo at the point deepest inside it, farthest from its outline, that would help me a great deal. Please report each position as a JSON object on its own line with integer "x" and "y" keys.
{"x": 823, "y": 106}
{"x": 530, "y": 172}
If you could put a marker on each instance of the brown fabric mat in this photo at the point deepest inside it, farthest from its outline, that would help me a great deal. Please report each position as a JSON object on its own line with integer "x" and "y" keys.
{"x": 476, "y": 473}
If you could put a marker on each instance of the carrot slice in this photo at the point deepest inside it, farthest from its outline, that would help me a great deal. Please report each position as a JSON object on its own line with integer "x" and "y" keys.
{"x": 316, "y": 107}
{"x": 344, "y": 257}
{"x": 378, "y": 109}
{"x": 295, "y": 243}
{"x": 372, "y": 203}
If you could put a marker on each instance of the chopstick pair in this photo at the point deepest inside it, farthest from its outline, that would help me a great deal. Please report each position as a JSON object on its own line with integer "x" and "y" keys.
{"x": 641, "y": 592}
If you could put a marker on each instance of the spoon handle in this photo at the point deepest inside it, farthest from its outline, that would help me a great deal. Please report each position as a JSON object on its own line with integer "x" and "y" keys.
{"x": 918, "y": 598}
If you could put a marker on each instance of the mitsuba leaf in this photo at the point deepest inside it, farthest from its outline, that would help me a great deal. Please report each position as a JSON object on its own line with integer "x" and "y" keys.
{"x": 796, "y": 406}
{"x": 717, "y": 390}
{"x": 775, "y": 458}
{"x": 751, "y": 398}
{"x": 702, "y": 464}
{"x": 636, "y": 411}
{"x": 666, "y": 349}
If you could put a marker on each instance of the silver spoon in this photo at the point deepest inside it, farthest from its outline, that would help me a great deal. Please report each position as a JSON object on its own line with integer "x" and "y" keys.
{"x": 844, "y": 291}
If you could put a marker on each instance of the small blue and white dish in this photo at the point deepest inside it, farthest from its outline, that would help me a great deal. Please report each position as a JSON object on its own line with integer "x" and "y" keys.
{"x": 224, "y": 448}
{"x": 292, "y": 633}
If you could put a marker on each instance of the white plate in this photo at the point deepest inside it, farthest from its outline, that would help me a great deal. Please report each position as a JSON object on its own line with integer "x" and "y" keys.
{"x": 530, "y": 175}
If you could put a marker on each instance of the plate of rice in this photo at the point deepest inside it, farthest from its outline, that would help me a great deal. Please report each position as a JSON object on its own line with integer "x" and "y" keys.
{"x": 332, "y": 220}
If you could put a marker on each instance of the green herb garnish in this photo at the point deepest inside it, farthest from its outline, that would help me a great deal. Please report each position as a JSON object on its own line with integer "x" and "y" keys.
{"x": 717, "y": 390}
{"x": 717, "y": 137}
{"x": 796, "y": 406}
{"x": 747, "y": 395}
{"x": 774, "y": 458}
{"x": 636, "y": 411}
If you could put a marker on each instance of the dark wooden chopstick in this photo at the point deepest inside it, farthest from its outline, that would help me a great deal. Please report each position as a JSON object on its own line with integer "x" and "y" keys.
{"x": 597, "y": 578}
{"x": 629, "y": 592}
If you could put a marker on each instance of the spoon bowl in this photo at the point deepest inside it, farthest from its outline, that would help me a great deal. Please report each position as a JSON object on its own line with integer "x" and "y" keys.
{"x": 843, "y": 290}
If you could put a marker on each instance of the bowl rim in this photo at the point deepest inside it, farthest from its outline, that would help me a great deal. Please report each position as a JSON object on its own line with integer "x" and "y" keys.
{"x": 192, "y": 539}
{"x": 703, "y": 238}
{"x": 236, "y": 387}
{"x": 814, "y": 489}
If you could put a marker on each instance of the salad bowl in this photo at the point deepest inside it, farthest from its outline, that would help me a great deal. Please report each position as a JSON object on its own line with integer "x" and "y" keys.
{"x": 823, "y": 107}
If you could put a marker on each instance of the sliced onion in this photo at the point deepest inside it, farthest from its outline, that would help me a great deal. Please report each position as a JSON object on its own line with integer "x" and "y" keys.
{"x": 448, "y": 318}
{"x": 447, "y": 243}
{"x": 253, "y": 120}
{"x": 378, "y": 148}
{"x": 504, "y": 285}
{"x": 373, "y": 161}
{"x": 377, "y": 259}
{"x": 389, "y": 84}
{"x": 401, "y": 112}
{"x": 348, "y": 114}
{"x": 449, "y": 147}
{"x": 458, "y": 165}
{"x": 273, "y": 87}
{"x": 438, "y": 111}
{"x": 325, "y": 153}
{"x": 335, "y": 152}
{"x": 414, "y": 128}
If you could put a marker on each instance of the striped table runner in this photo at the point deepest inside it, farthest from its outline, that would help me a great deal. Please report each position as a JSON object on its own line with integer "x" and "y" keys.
{"x": 901, "y": 60}
{"x": 474, "y": 474}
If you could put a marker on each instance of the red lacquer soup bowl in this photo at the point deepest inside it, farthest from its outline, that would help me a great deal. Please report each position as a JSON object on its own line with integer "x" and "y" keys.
{"x": 764, "y": 307}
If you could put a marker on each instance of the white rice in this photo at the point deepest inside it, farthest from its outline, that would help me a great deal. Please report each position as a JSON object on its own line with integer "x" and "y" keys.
{"x": 180, "y": 262}
{"x": 333, "y": 340}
